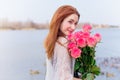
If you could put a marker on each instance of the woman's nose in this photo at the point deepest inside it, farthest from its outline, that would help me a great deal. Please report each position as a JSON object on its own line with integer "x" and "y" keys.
{"x": 73, "y": 27}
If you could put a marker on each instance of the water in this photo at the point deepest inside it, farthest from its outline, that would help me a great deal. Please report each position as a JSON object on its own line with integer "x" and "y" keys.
{"x": 22, "y": 51}
{"x": 109, "y": 45}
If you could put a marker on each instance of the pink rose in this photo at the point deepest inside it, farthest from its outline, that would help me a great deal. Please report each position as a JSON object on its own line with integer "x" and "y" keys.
{"x": 81, "y": 42}
{"x": 70, "y": 37}
{"x": 75, "y": 52}
{"x": 87, "y": 27}
{"x": 71, "y": 45}
{"x": 77, "y": 35}
{"x": 86, "y": 35}
{"x": 97, "y": 36}
{"x": 91, "y": 41}
{"x": 80, "y": 32}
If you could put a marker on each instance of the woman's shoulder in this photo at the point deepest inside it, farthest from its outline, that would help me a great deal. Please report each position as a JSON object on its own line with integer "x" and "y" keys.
{"x": 61, "y": 47}
{"x": 62, "y": 41}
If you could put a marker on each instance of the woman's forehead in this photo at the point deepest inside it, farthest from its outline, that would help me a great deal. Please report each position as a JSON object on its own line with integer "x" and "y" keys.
{"x": 72, "y": 17}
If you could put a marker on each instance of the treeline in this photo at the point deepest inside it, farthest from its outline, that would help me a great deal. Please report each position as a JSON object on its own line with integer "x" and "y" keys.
{"x": 22, "y": 25}
{"x": 5, "y": 24}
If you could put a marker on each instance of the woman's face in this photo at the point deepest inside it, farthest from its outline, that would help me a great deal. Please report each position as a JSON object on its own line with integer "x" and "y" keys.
{"x": 69, "y": 24}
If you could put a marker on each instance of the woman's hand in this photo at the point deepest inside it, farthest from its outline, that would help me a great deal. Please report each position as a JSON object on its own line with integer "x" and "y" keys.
{"x": 76, "y": 79}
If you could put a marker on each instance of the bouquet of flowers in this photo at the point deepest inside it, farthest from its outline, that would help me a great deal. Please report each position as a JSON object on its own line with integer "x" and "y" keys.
{"x": 82, "y": 47}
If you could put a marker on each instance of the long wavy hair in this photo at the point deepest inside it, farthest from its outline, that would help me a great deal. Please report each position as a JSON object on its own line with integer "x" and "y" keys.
{"x": 54, "y": 27}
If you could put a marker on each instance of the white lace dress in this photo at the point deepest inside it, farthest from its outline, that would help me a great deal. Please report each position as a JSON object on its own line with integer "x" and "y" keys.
{"x": 60, "y": 67}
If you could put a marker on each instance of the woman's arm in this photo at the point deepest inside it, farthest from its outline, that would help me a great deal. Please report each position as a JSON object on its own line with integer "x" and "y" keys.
{"x": 62, "y": 63}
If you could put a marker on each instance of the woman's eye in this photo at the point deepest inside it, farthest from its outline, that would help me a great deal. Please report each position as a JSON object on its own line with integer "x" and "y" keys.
{"x": 76, "y": 23}
{"x": 70, "y": 22}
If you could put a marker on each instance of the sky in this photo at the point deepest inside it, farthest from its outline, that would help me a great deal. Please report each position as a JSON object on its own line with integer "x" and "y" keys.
{"x": 41, "y": 11}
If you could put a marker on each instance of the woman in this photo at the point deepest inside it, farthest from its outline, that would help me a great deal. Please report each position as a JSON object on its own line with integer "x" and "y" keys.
{"x": 59, "y": 62}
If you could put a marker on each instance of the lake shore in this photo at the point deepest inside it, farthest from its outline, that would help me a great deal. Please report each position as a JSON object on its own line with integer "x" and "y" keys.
{"x": 6, "y": 29}
{"x": 30, "y": 25}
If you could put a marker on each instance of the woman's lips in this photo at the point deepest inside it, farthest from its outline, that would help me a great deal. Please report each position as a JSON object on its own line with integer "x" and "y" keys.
{"x": 70, "y": 32}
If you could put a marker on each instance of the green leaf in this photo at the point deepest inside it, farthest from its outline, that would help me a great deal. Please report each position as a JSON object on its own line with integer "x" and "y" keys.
{"x": 95, "y": 70}
{"x": 84, "y": 76}
{"x": 93, "y": 62}
{"x": 81, "y": 70}
{"x": 77, "y": 65}
{"x": 90, "y": 76}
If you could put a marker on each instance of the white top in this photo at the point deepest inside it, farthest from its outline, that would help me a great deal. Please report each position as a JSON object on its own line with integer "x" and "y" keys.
{"x": 60, "y": 67}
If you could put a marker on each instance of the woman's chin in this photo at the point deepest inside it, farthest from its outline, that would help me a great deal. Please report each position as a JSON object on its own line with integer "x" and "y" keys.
{"x": 68, "y": 33}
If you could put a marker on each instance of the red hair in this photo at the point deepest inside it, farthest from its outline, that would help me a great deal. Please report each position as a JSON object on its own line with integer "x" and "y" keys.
{"x": 54, "y": 30}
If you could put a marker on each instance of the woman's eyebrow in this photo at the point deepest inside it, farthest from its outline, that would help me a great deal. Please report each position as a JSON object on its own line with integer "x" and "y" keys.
{"x": 74, "y": 20}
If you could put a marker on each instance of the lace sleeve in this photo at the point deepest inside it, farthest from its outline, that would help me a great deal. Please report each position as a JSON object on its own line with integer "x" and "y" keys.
{"x": 62, "y": 64}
